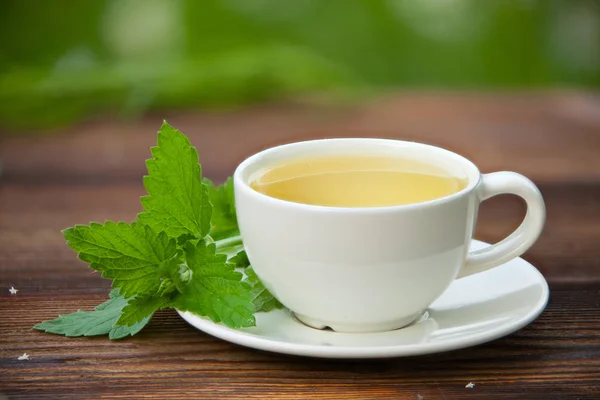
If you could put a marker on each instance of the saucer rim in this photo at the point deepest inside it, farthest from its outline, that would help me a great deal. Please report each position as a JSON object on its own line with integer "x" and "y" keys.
{"x": 350, "y": 352}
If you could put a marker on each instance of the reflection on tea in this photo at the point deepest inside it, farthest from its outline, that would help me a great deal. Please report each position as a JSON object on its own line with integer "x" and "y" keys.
{"x": 357, "y": 181}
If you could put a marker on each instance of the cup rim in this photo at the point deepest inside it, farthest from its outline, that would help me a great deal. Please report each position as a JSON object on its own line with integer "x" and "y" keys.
{"x": 240, "y": 184}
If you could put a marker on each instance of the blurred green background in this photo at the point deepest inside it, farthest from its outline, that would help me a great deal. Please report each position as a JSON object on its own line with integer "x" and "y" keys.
{"x": 64, "y": 60}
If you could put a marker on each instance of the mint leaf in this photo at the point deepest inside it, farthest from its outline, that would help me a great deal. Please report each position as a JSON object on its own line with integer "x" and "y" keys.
{"x": 121, "y": 331}
{"x": 224, "y": 219}
{"x": 101, "y": 321}
{"x": 177, "y": 201}
{"x": 140, "y": 308}
{"x": 263, "y": 300}
{"x": 240, "y": 259}
{"x": 215, "y": 290}
{"x": 133, "y": 256}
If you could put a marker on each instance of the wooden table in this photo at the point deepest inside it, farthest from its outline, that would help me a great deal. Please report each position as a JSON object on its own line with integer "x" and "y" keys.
{"x": 92, "y": 172}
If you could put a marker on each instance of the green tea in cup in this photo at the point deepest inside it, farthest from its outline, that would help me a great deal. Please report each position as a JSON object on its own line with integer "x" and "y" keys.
{"x": 357, "y": 181}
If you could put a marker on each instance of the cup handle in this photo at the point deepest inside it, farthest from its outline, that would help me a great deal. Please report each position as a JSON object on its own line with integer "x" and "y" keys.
{"x": 523, "y": 237}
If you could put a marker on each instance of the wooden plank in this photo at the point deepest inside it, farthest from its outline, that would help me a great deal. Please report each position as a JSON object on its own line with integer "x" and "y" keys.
{"x": 93, "y": 172}
{"x": 170, "y": 359}
{"x": 549, "y": 137}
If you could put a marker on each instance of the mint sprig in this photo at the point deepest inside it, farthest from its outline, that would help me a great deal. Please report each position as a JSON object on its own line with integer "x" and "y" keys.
{"x": 183, "y": 252}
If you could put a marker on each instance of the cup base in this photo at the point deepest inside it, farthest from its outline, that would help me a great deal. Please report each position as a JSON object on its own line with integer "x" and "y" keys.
{"x": 358, "y": 328}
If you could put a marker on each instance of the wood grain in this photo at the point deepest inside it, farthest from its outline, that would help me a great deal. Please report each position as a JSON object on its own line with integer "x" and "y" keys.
{"x": 93, "y": 172}
{"x": 170, "y": 359}
{"x": 551, "y": 136}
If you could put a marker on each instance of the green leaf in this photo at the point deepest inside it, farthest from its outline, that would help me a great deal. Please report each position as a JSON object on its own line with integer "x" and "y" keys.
{"x": 133, "y": 256}
{"x": 224, "y": 219}
{"x": 120, "y": 331}
{"x": 215, "y": 290}
{"x": 177, "y": 201}
{"x": 240, "y": 259}
{"x": 183, "y": 239}
{"x": 263, "y": 300}
{"x": 139, "y": 308}
{"x": 101, "y": 321}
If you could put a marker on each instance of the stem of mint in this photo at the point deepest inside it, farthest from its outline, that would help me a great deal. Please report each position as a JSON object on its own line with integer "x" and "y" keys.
{"x": 228, "y": 243}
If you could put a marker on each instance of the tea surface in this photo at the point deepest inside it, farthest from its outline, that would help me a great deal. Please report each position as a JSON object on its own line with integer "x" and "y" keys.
{"x": 357, "y": 181}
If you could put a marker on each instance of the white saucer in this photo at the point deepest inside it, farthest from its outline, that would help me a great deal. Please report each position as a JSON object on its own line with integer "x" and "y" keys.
{"x": 473, "y": 310}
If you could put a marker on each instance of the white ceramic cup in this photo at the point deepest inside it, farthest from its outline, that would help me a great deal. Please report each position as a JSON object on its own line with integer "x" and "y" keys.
{"x": 379, "y": 268}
